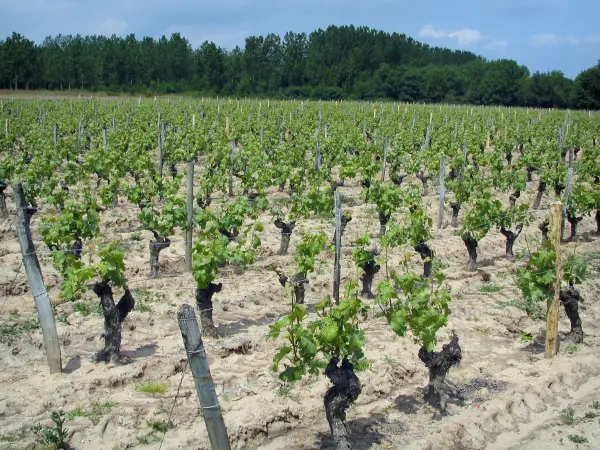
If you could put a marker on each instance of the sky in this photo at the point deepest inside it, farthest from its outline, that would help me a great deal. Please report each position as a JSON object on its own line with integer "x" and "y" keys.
{"x": 541, "y": 34}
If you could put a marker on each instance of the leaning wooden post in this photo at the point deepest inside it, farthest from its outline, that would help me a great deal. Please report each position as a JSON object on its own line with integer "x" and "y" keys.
{"x": 36, "y": 283}
{"x": 442, "y": 192}
{"x": 189, "y": 203}
{"x": 338, "y": 247}
{"x": 552, "y": 340}
{"x": 196, "y": 355}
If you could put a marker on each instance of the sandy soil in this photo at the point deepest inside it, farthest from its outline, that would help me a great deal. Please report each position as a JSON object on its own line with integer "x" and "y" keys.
{"x": 508, "y": 395}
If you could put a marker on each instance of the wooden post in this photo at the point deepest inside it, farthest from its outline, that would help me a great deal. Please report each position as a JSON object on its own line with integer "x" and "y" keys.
{"x": 36, "y": 283}
{"x": 552, "y": 339}
{"x": 55, "y": 134}
{"x": 385, "y": 152}
{"x": 189, "y": 203}
{"x": 196, "y": 356}
{"x": 230, "y": 181}
{"x": 104, "y": 137}
{"x": 318, "y": 156}
{"x": 338, "y": 247}
{"x": 161, "y": 141}
{"x": 442, "y": 192}
{"x": 567, "y": 191}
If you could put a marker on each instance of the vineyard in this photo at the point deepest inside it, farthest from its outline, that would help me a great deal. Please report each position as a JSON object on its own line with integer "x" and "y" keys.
{"x": 435, "y": 219}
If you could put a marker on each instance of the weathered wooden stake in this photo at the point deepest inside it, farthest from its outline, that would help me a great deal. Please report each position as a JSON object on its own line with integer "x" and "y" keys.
{"x": 442, "y": 192}
{"x": 552, "y": 339}
{"x": 338, "y": 248}
{"x": 189, "y": 203}
{"x": 230, "y": 181}
{"x": 196, "y": 356}
{"x": 36, "y": 283}
{"x": 160, "y": 155}
{"x": 567, "y": 190}
{"x": 385, "y": 152}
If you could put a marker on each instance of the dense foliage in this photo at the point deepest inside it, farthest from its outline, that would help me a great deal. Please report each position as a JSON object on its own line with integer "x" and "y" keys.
{"x": 336, "y": 63}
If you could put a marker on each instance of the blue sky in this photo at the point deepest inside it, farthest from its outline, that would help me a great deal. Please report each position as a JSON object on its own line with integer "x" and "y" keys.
{"x": 542, "y": 34}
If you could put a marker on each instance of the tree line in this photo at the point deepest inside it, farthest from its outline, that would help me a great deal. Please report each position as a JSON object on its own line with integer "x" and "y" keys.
{"x": 344, "y": 62}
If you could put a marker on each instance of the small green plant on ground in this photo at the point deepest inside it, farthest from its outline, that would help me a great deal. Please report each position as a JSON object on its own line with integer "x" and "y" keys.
{"x": 526, "y": 338}
{"x": 161, "y": 426}
{"x": 284, "y": 390}
{"x": 83, "y": 308}
{"x": 55, "y": 437}
{"x": 577, "y": 439}
{"x": 94, "y": 413}
{"x": 567, "y": 416}
{"x": 490, "y": 288}
{"x": 11, "y": 333}
{"x": 152, "y": 388}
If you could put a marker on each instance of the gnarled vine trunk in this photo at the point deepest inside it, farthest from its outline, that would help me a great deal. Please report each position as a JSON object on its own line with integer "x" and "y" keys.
{"x": 369, "y": 269}
{"x": 424, "y": 179}
{"x": 471, "y": 245}
{"x": 336, "y": 184}
{"x": 598, "y": 221}
{"x": 338, "y": 398}
{"x": 366, "y": 184}
{"x": 156, "y": 246}
{"x": 570, "y": 298}
{"x": 511, "y": 237}
{"x": 540, "y": 191}
{"x": 544, "y": 227}
{"x": 513, "y": 197}
{"x": 298, "y": 281}
{"x": 383, "y": 220}
{"x": 173, "y": 170}
{"x": 573, "y": 221}
{"x": 455, "y": 210}
{"x": 205, "y": 307}
{"x": 530, "y": 171}
{"x": 114, "y": 315}
{"x": 344, "y": 223}
{"x": 558, "y": 189}
{"x": 397, "y": 178}
{"x": 286, "y": 235}
{"x": 426, "y": 255}
{"x": 3, "y": 209}
{"x": 77, "y": 247}
{"x": 439, "y": 363}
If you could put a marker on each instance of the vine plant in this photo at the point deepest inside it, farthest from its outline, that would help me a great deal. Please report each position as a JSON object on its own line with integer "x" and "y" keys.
{"x": 332, "y": 341}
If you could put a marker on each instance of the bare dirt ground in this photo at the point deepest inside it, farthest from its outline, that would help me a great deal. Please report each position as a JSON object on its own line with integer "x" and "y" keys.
{"x": 508, "y": 395}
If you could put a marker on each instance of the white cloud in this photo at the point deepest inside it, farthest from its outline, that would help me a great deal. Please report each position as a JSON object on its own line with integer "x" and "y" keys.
{"x": 466, "y": 36}
{"x": 463, "y": 37}
{"x": 547, "y": 39}
{"x": 431, "y": 32}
